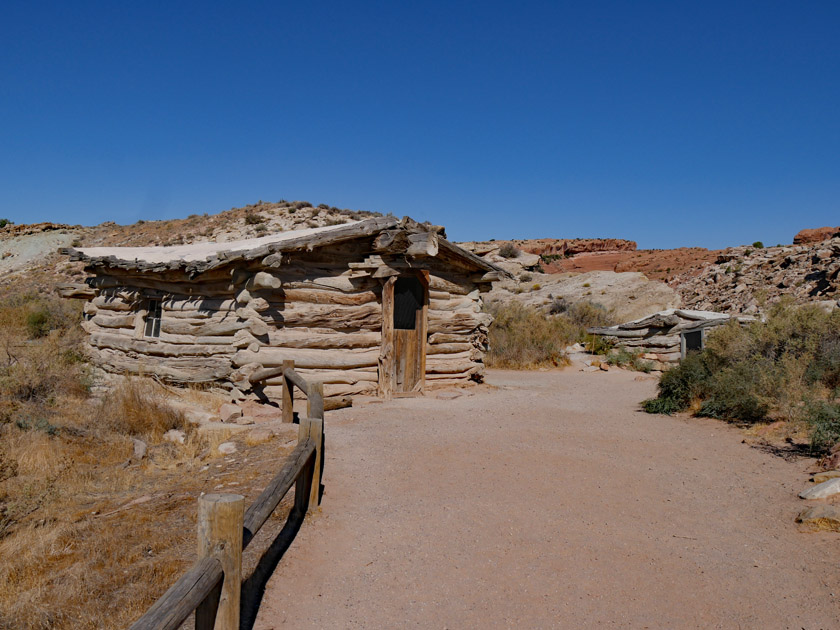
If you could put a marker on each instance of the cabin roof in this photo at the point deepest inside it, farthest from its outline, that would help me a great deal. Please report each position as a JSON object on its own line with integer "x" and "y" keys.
{"x": 687, "y": 319}
{"x": 199, "y": 257}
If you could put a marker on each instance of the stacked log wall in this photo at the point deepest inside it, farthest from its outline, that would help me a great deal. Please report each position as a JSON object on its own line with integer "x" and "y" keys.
{"x": 313, "y": 308}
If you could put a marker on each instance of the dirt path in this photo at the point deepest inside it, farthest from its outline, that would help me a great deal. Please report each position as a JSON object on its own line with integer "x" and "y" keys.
{"x": 551, "y": 503}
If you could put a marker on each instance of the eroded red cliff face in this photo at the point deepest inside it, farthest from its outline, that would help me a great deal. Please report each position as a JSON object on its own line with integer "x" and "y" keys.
{"x": 573, "y": 246}
{"x": 815, "y": 235}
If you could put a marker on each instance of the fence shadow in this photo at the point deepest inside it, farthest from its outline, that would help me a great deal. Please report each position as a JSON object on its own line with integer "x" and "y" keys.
{"x": 253, "y": 588}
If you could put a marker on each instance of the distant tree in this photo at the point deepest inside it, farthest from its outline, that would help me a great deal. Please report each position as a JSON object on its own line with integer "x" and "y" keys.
{"x": 758, "y": 245}
{"x": 5, "y": 222}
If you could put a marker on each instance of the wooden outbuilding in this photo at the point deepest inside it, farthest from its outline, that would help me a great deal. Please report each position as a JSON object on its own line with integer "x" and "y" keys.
{"x": 380, "y": 306}
{"x": 666, "y": 336}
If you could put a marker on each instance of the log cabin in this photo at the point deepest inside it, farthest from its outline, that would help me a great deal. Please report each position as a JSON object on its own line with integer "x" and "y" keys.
{"x": 667, "y": 336}
{"x": 380, "y": 306}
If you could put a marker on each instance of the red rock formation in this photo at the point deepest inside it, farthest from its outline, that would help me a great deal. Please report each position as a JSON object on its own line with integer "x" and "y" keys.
{"x": 572, "y": 246}
{"x": 816, "y": 235}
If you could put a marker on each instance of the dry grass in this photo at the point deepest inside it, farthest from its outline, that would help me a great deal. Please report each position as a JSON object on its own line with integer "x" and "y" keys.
{"x": 522, "y": 337}
{"x": 89, "y": 537}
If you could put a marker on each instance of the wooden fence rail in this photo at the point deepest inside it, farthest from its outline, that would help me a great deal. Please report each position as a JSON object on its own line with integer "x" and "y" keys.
{"x": 212, "y": 586}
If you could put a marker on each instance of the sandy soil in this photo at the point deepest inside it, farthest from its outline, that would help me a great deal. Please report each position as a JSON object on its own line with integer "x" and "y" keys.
{"x": 550, "y": 502}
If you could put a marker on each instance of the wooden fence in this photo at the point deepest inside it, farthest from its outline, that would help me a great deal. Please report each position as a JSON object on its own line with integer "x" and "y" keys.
{"x": 212, "y": 587}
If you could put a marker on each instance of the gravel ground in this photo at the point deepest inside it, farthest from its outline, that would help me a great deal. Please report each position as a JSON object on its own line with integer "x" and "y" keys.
{"x": 546, "y": 500}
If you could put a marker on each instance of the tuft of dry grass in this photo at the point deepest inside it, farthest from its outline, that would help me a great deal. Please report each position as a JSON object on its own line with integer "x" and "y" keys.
{"x": 522, "y": 337}
{"x": 138, "y": 408}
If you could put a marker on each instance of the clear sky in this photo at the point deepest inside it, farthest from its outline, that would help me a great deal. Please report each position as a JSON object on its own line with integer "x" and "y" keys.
{"x": 670, "y": 123}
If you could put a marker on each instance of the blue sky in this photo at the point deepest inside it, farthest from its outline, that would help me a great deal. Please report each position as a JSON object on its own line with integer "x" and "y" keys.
{"x": 670, "y": 123}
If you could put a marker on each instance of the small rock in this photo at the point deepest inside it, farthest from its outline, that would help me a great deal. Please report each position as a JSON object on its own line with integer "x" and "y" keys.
{"x": 260, "y": 435}
{"x": 245, "y": 420}
{"x": 605, "y": 367}
{"x": 227, "y": 448}
{"x": 230, "y": 412}
{"x": 825, "y": 476}
{"x": 140, "y": 448}
{"x": 175, "y": 435}
{"x": 821, "y": 516}
{"x": 822, "y": 490}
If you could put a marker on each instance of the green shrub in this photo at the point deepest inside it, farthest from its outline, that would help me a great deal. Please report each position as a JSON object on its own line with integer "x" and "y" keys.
{"x": 824, "y": 420}
{"x": 252, "y": 218}
{"x": 5, "y": 222}
{"x": 38, "y": 323}
{"x": 787, "y": 367}
{"x": 758, "y": 245}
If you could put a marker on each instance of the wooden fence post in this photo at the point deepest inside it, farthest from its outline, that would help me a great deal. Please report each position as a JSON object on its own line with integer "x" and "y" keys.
{"x": 220, "y": 525}
{"x": 315, "y": 400}
{"x": 288, "y": 395}
{"x": 315, "y": 411}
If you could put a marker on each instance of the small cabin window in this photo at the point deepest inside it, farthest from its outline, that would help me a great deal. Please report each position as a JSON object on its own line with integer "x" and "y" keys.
{"x": 152, "y": 319}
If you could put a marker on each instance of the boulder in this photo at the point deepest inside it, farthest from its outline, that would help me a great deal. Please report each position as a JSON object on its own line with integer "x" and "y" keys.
{"x": 822, "y": 490}
{"x": 140, "y": 448}
{"x": 227, "y": 448}
{"x": 230, "y": 412}
{"x": 821, "y": 517}
{"x": 245, "y": 420}
{"x": 176, "y": 436}
{"x": 820, "y": 477}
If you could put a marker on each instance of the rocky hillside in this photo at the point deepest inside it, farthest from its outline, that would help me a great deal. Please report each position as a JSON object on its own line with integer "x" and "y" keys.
{"x": 29, "y": 252}
{"x": 745, "y": 279}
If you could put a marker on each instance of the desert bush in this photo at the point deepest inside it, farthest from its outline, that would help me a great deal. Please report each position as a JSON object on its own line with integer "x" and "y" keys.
{"x": 4, "y": 223}
{"x": 629, "y": 360}
{"x": 523, "y": 337}
{"x": 252, "y": 218}
{"x": 824, "y": 420}
{"x": 758, "y": 245}
{"x": 589, "y": 315}
{"x": 509, "y": 250}
{"x": 787, "y": 367}
{"x": 525, "y": 277}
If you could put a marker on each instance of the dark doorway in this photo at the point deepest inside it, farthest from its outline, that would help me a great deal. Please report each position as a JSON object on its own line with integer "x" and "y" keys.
{"x": 409, "y": 346}
{"x": 693, "y": 341}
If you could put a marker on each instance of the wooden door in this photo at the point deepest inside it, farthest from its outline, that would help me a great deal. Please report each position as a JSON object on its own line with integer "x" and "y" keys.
{"x": 410, "y": 298}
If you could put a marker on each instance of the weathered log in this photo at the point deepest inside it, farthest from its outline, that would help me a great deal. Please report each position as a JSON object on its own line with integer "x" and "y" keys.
{"x": 113, "y": 321}
{"x": 214, "y": 327}
{"x": 439, "y": 283}
{"x": 448, "y": 348}
{"x": 367, "y": 316}
{"x": 440, "y": 322}
{"x": 449, "y": 338}
{"x": 308, "y": 358}
{"x": 349, "y": 377}
{"x": 321, "y": 296}
{"x": 76, "y": 291}
{"x": 449, "y": 367}
{"x": 274, "y": 392}
{"x": 184, "y": 369}
{"x": 422, "y": 244}
{"x": 112, "y": 303}
{"x": 660, "y": 341}
{"x": 155, "y": 348}
{"x": 466, "y": 305}
{"x": 198, "y": 304}
{"x": 324, "y": 339}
